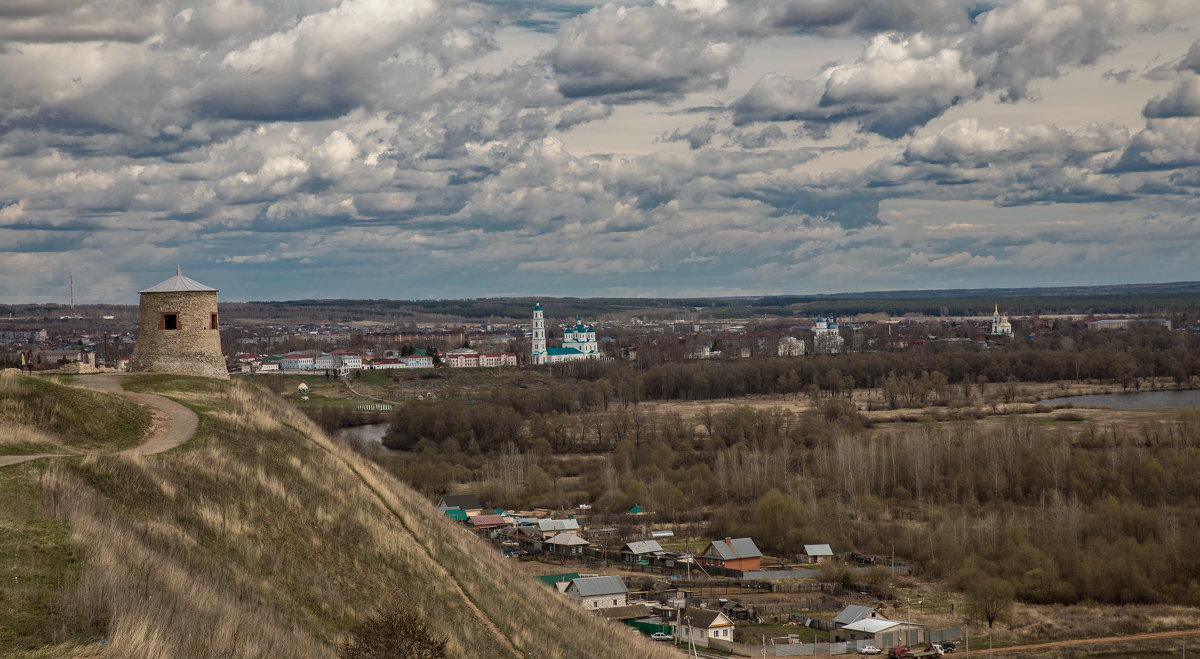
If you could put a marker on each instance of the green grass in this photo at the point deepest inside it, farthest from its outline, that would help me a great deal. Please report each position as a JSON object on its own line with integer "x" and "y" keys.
{"x": 38, "y": 563}
{"x": 753, "y": 633}
{"x": 165, "y": 382}
{"x": 32, "y": 448}
{"x": 79, "y": 418}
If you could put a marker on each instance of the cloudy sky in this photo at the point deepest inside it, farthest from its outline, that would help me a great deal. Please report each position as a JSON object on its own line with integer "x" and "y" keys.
{"x": 282, "y": 149}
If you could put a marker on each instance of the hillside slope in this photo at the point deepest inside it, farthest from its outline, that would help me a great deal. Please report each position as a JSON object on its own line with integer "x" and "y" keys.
{"x": 263, "y": 538}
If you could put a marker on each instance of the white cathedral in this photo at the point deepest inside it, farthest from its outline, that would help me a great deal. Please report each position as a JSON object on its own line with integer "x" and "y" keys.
{"x": 579, "y": 341}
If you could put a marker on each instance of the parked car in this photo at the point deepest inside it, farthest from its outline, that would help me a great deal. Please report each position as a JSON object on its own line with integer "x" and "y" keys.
{"x": 947, "y": 647}
{"x": 899, "y": 652}
{"x": 662, "y": 636}
{"x": 870, "y": 649}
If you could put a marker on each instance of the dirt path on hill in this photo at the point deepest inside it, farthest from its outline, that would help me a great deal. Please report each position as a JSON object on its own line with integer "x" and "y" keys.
{"x": 172, "y": 423}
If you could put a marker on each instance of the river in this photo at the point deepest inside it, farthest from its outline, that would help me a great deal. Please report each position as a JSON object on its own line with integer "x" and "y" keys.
{"x": 371, "y": 432}
{"x": 1133, "y": 400}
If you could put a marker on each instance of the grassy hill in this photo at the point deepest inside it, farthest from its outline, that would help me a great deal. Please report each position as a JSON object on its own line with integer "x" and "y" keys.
{"x": 259, "y": 538}
{"x": 44, "y": 416}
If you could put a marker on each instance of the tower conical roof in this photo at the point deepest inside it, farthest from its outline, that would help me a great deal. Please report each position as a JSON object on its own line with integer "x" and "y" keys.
{"x": 177, "y": 283}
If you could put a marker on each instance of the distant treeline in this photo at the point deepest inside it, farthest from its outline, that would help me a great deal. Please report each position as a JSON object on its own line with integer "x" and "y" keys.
{"x": 978, "y": 303}
{"x": 1024, "y": 305}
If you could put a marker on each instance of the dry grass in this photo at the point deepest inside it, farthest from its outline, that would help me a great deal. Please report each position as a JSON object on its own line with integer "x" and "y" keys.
{"x": 266, "y": 539}
{"x": 39, "y": 415}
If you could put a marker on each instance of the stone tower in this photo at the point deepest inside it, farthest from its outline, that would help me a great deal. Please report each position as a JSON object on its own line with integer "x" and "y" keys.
{"x": 538, "y": 343}
{"x": 177, "y": 330}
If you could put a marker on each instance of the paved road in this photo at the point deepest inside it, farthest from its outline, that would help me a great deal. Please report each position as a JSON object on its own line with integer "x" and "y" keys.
{"x": 173, "y": 424}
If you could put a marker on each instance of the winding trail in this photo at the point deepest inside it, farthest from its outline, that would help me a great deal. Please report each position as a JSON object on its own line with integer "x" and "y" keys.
{"x": 172, "y": 425}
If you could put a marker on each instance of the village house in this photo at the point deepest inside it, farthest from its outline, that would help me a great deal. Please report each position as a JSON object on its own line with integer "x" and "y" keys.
{"x": 817, "y": 554}
{"x": 853, "y": 613}
{"x": 732, "y": 554}
{"x": 565, "y": 544}
{"x": 881, "y": 632}
{"x": 701, "y": 626}
{"x": 552, "y": 527}
{"x": 465, "y": 502}
{"x": 487, "y": 523}
{"x": 641, "y": 550}
{"x": 598, "y": 592}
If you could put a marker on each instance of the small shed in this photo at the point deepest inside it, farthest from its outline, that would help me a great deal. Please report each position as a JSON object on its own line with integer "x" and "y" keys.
{"x": 817, "y": 554}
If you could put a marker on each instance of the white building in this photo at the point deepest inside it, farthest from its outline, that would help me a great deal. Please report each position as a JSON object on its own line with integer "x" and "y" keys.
{"x": 598, "y": 592}
{"x": 701, "y": 626}
{"x": 498, "y": 359}
{"x": 538, "y": 341}
{"x": 1000, "y": 324}
{"x": 579, "y": 341}
{"x": 827, "y": 340}
{"x": 418, "y": 361}
{"x": 325, "y": 361}
{"x": 296, "y": 362}
{"x": 790, "y": 346}
{"x": 462, "y": 358}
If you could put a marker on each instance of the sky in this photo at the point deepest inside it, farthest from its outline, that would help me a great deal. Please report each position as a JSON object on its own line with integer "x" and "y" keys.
{"x": 405, "y": 149}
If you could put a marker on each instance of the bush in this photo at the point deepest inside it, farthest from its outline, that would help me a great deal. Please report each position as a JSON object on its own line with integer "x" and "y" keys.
{"x": 398, "y": 634}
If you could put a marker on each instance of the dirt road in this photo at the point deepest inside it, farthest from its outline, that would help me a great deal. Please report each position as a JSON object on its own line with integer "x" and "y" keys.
{"x": 1118, "y": 641}
{"x": 173, "y": 424}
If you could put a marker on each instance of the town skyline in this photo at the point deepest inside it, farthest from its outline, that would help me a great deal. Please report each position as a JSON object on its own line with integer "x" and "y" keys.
{"x": 368, "y": 149}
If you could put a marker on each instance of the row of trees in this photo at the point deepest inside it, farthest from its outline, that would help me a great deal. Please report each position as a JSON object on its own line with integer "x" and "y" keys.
{"x": 1064, "y": 513}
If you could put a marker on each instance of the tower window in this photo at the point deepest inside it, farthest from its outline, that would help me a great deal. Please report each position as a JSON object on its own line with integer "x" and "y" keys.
{"x": 212, "y": 323}
{"x": 170, "y": 321}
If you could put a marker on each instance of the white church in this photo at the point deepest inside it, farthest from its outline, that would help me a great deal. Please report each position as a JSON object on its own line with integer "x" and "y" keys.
{"x": 827, "y": 339}
{"x": 1000, "y": 324}
{"x": 579, "y": 341}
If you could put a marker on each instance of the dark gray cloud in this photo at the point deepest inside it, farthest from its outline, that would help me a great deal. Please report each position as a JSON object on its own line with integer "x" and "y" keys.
{"x": 1182, "y": 101}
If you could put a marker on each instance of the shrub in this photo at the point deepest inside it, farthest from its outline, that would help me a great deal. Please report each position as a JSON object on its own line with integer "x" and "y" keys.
{"x": 400, "y": 633}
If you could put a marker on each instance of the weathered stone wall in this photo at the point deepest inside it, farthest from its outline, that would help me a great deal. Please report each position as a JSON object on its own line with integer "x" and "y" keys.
{"x": 193, "y": 349}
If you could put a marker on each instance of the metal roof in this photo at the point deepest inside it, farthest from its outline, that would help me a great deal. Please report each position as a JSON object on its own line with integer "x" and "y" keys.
{"x": 594, "y": 586}
{"x": 643, "y": 547}
{"x": 853, "y": 613}
{"x": 568, "y": 540}
{"x": 177, "y": 284}
{"x": 488, "y": 520}
{"x": 876, "y": 625}
{"x": 464, "y": 501}
{"x": 558, "y": 524}
{"x": 704, "y": 618}
{"x": 733, "y": 549}
{"x": 818, "y": 550}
